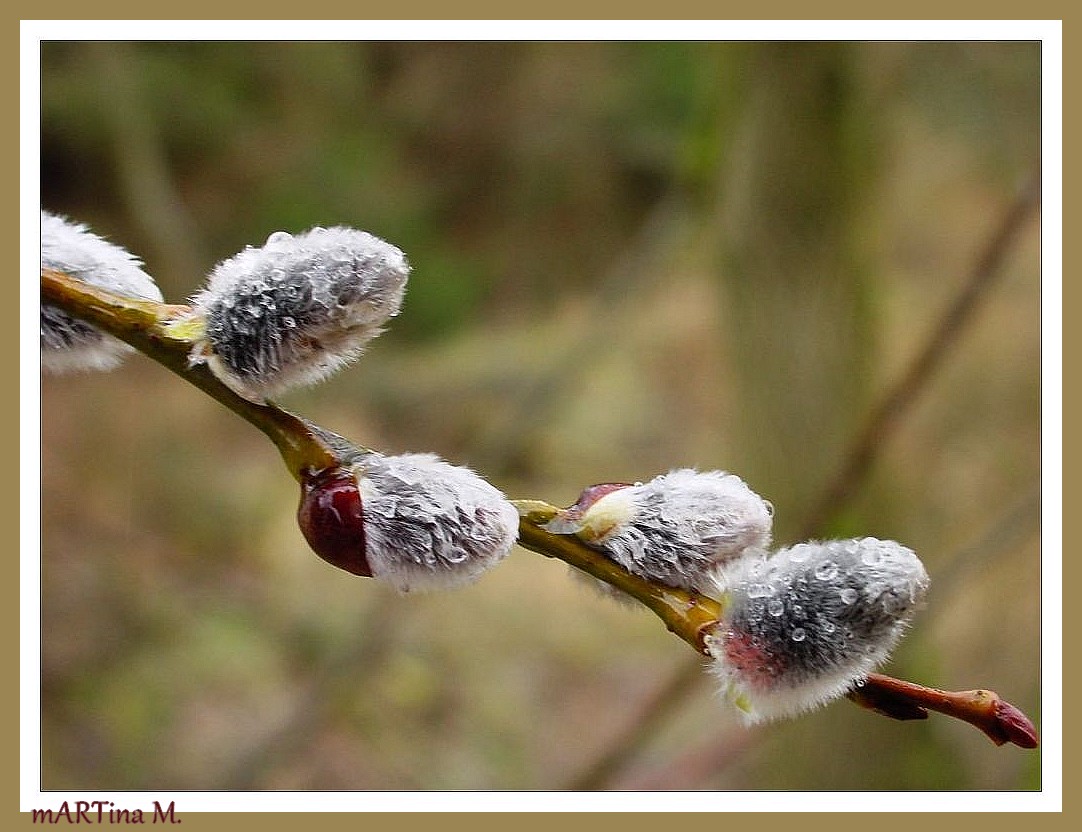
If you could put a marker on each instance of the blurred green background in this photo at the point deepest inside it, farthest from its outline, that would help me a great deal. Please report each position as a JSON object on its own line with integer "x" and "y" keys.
{"x": 627, "y": 257}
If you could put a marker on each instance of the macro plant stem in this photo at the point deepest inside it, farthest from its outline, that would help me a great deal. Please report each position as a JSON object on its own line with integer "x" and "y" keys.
{"x": 305, "y": 447}
{"x": 686, "y": 614}
{"x": 143, "y": 325}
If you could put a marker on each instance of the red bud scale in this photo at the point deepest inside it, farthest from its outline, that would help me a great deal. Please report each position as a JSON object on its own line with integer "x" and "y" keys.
{"x": 332, "y": 519}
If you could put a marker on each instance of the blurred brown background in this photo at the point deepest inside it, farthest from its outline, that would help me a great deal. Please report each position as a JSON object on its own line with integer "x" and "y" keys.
{"x": 627, "y": 258}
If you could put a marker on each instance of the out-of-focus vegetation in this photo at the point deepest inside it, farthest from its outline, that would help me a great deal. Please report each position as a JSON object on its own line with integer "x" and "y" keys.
{"x": 627, "y": 258}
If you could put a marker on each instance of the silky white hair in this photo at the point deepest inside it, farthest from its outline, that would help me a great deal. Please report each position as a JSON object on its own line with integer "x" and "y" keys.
{"x": 676, "y": 529}
{"x": 429, "y": 524}
{"x": 68, "y": 343}
{"x": 810, "y": 622}
{"x": 297, "y": 309}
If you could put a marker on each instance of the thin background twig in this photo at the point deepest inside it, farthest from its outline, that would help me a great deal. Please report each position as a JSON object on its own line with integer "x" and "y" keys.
{"x": 882, "y": 423}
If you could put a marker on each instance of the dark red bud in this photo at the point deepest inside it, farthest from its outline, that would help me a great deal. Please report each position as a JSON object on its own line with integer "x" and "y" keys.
{"x": 1014, "y": 726}
{"x": 332, "y": 520}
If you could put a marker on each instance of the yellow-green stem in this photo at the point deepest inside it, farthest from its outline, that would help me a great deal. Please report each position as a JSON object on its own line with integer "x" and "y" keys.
{"x": 143, "y": 324}
{"x": 686, "y": 614}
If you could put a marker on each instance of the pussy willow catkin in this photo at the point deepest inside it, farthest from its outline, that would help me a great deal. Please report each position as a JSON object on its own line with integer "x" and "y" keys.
{"x": 412, "y": 521}
{"x": 67, "y": 343}
{"x": 806, "y": 624}
{"x": 296, "y": 309}
{"x": 676, "y": 529}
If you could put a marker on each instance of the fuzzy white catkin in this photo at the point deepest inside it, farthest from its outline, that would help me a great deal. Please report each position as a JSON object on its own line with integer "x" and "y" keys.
{"x": 429, "y": 524}
{"x": 676, "y": 529}
{"x": 67, "y": 343}
{"x": 298, "y": 308}
{"x": 810, "y": 622}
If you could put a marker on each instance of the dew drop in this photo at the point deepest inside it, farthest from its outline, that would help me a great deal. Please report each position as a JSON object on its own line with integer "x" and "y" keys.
{"x": 798, "y": 634}
{"x": 775, "y": 607}
{"x": 277, "y": 238}
{"x": 848, "y": 595}
{"x": 799, "y": 553}
{"x": 826, "y": 571}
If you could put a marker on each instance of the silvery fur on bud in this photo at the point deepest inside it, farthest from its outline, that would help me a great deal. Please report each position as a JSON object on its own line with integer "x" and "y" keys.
{"x": 810, "y": 622}
{"x": 676, "y": 529}
{"x": 66, "y": 342}
{"x": 429, "y": 524}
{"x": 295, "y": 310}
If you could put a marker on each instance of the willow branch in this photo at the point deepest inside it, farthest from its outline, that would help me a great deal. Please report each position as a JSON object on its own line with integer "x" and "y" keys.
{"x": 984, "y": 709}
{"x": 689, "y": 616}
{"x": 143, "y": 325}
{"x": 305, "y": 446}
{"x": 686, "y": 614}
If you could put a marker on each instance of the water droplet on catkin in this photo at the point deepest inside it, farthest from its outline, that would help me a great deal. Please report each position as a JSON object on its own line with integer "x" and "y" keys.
{"x": 277, "y": 238}
{"x": 826, "y": 571}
